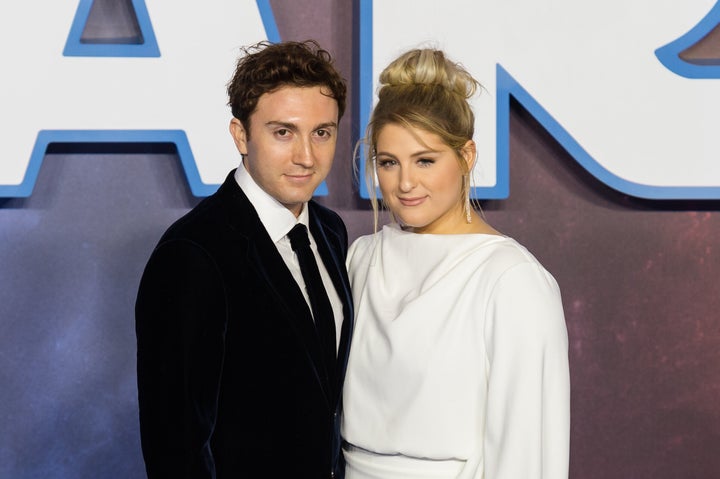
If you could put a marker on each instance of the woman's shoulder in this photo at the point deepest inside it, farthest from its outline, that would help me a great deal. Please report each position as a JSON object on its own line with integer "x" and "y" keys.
{"x": 503, "y": 260}
{"x": 364, "y": 241}
{"x": 506, "y": 252}
{"x": 362, "y": 246}
{"x": 518, "y": 267}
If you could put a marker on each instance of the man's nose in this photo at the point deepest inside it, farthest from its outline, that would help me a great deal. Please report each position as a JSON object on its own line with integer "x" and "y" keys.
{"x": 303, "y": 154}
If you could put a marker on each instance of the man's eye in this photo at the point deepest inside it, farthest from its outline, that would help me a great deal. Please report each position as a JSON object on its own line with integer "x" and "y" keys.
{"x": 282, "y": 132}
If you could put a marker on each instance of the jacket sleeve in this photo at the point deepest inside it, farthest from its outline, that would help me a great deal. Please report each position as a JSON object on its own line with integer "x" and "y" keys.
{"x": 180, "y": 318}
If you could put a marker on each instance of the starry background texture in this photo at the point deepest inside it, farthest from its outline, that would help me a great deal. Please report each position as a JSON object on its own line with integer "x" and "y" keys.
{"x": 640, "y": 285}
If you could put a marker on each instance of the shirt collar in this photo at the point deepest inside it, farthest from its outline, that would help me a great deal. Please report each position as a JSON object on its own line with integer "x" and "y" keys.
{"x": 276, "y": 218}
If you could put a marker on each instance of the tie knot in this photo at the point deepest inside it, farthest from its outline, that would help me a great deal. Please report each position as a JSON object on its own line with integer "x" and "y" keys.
{"x": 299, "y": 237}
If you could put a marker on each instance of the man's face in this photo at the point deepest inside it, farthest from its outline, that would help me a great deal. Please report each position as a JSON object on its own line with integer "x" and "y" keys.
{"x": 291, "y": 143}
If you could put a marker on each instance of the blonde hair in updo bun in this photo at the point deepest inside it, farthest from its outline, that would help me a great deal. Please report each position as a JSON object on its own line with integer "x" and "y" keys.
{"x": 423, "y": 89}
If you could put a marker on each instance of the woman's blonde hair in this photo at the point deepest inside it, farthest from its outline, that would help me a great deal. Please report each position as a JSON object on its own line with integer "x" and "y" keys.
{"x": 423, "y": 89}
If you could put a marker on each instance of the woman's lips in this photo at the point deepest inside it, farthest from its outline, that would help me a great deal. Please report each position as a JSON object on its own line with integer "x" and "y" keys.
{"x": 411, "y": 201}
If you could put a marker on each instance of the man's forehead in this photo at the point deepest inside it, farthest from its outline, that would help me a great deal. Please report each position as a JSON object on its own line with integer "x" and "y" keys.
{"x": 292, "y": 105}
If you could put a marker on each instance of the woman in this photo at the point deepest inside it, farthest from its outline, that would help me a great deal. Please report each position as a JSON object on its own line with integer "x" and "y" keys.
{"x": 458, "y": 366}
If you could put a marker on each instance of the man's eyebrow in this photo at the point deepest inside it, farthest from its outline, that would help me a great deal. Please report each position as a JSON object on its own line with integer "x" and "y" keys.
{"x": 283, "y": 124}
{"x": 293, "y": 126}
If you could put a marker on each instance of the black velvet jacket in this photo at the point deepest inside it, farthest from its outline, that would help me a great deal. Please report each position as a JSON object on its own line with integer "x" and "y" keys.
{"x": 230, "y": 370}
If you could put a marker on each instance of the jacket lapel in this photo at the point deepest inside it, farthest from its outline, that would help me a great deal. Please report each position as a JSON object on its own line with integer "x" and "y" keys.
{"x": 331, "y": 251}
{"x": 262, "y": 255}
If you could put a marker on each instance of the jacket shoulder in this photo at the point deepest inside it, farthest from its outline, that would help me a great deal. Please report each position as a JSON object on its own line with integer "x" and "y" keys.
{"x": 326, "y": 216}
{"x": 330, "y": 221}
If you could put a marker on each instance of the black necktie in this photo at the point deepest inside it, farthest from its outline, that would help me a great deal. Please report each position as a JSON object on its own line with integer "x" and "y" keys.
{"x": 319, "y": 302}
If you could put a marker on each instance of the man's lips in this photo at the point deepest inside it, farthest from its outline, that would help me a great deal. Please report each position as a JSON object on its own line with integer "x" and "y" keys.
{"x": 299, "y": 177}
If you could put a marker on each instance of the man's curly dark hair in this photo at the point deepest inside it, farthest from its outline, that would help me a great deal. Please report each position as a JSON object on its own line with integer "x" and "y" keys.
{"x": 266, "y": 67}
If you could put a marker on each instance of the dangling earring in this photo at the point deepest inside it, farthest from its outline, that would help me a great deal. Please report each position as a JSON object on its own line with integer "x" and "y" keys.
{"x": 468, "y": 215}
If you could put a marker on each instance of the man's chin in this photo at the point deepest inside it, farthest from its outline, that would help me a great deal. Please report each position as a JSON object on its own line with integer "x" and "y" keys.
{"x": 303, "y": 193}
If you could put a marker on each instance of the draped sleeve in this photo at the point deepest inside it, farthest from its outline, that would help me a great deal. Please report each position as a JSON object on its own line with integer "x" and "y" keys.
{"x": 527, "y": 423}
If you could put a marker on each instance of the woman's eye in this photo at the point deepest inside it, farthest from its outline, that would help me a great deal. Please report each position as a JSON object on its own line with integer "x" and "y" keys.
{"x": 425, "y": 161}
{"x": 386, "y": 163}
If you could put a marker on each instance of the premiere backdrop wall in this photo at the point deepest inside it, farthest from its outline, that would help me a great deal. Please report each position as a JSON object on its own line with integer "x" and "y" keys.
{"x": 639, "y": 276}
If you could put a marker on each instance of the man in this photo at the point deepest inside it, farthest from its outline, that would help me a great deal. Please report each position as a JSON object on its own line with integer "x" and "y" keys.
{"x": 237, "y": 376}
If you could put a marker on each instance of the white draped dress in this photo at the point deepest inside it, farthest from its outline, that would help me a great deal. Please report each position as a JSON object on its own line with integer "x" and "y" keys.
{"x": 459, "y": 361}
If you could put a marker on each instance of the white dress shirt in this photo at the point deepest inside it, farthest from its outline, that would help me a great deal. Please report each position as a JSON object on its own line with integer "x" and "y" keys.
{"x": 278, "y": 221}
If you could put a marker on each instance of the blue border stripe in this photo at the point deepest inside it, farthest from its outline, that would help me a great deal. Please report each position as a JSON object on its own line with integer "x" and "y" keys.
{"x": 507, "y": 86}
{"x": 365, "y": 90}
{"x": 268, "y": 18}
{"x": 502, "y": 137}
{"x": 45, "y": 137}
{"x": 176, "y": 137}
{"x": 669, "y": 55}
{"x": 75, "y": 48}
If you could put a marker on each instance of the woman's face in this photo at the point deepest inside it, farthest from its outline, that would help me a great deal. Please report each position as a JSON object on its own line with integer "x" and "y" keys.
{"x": 421, "y": 179}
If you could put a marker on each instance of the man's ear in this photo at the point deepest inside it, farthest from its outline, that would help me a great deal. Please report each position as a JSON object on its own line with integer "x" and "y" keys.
{"x": 237, "y": 131}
